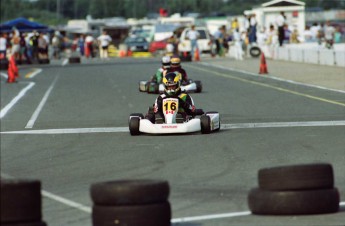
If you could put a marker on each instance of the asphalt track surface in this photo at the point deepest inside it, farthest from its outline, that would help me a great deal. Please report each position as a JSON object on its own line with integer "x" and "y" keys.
{"x": 67, "y": 125}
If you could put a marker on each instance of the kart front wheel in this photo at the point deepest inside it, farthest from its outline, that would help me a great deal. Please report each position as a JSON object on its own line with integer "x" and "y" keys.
{"x": 205, "y": 123}
{"x": 198, "y": 86}
{"x": 134, "y": 126}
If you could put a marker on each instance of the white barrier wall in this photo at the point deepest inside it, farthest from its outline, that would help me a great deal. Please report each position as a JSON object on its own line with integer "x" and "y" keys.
{"x": 340, "y": 58}
{"x": 312, "y": 54}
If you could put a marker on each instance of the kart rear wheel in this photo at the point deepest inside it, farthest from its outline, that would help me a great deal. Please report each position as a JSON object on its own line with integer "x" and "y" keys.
{"x": 134, "y": 126}
{"x": 205, "y": 122}
{"x": 198, "y": 86}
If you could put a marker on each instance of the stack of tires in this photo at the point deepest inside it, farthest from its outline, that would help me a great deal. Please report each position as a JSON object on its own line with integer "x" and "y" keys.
{"x": 21, "y": 203}
{"x": 131, "y": 203}
{"x": 3, "y": 64}
{"x": 295, "y": 190}
{"x": 74, "y": 60}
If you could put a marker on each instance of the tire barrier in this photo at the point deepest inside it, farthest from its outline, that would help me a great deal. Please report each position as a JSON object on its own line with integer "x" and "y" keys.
{"x": 295, "y": 190}
{"x": 74, "y": 60}
{"x": 255, "y": 51}
{"x": 131, "y": 203}
{"x": 21, "y": 202}
{"x": 3, "y": 64}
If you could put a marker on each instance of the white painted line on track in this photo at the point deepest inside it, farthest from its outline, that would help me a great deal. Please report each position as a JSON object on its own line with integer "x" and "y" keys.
{"x": 64, "y": 62}
{"x": 4, "y": 75}
{"x": 71, "y": 131}
{"x": 66, "y": 202}
{"x": 210, "y": 217}
{"x": 4, "y": 111}
{"x": 223, "y": 127}
{"x": 271, "y": 77}
{"x": 34, "y": 73}
{"x": 34, "y": 116}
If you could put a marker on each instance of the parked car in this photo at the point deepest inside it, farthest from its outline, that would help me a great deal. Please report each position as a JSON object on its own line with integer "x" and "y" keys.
{"x": 137, "y": 44}
{"x": 204, "y": 41}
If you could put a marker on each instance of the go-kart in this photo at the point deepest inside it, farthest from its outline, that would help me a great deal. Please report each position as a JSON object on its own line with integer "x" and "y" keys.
{"x": 154, "y": 87}
{"x": 173, "y": 121}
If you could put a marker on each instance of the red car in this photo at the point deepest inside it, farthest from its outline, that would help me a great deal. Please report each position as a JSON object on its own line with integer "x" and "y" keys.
{"x": 157, "y": 45}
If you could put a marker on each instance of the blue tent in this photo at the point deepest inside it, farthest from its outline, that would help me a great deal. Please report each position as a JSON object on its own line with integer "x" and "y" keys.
{"x": 23, "y": 25}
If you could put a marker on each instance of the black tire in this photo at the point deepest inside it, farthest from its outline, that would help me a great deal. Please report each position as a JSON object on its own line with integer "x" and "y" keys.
{"x": 40, "y": 223}
{"x": 20, "y": 201}
{"x": 205, "y": 123}
{"x": 135, "y": 215}
{"x": 134, "y": 123}
{"x": 74, "y": 60}
{"x": 44, "y": 61}
{"x": 293, "y": 202}
{"x": 198, "y": 86}
{"x": 297, "y": 177}
{"x": 255, "y": 51}
{"x": 140, "y": 115}
{"x": 4, "y": 64}
{"x": 129, "y": 192}
{"x": 156, "y": 88}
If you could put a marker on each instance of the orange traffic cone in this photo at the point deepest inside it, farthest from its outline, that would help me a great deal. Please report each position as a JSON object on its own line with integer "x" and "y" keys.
{"x": 196, "y": 55}
{"x": 263, "y": 65}
{"x": 12, "y": 70}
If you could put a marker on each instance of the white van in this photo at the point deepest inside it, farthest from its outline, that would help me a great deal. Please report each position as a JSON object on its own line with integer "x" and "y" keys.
{"x": 204, "y": 41}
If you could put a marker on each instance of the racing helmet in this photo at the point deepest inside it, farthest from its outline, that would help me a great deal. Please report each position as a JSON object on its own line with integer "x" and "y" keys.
{"x": 172, "y": 83}
{"x": 175, "y": 61}
{"x": 166, "y": 62}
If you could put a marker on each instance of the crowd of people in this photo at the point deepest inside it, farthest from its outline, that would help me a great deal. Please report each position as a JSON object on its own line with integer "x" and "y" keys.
{"x": 240, "y": 35}
{"x": 33, "y": 47}
{"x": 25, "y": 47}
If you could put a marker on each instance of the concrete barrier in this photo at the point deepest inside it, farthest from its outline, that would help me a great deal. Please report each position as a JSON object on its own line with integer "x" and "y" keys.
{"x": 311, "y": 56}
{"x": 339, "y": 58}
{"x": 327, "y": 57}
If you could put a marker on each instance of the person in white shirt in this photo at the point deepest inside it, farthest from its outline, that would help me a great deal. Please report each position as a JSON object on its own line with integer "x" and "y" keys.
{"x": 89, "y": 46}
{"x": 329, "y": 34}
{"x": 193, "y": 36}
{"x": 3, "y": 45}
{"x": 280, "y": 21}
{"x": 103, "y": 43}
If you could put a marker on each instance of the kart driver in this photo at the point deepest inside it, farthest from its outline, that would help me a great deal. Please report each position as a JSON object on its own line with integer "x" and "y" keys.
{"x": 175, "y": 65}
{"x": 172, "y": 89}
{"x": 159, "y": 74}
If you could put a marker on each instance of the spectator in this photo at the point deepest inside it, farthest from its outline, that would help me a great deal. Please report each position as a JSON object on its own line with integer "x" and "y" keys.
{"x": 329, "y": 35}
{"x": 287, "y": 34}
{"x": 252, "y": 29}
{"x": 218, "y": 37}
{"x": 89, "y": 40}
{"x": 15, "y": 44}
{"x": 3, "y": 45}
{"x": 193, "y": 36}
{"x": 272, "y": 40}
{"x": 23, "y": 53}
{"x": 307, "y": 34}
{"x": 337, "y": 35}
{"x": 234, "y": 24}
{"x": 56, "y": 43}
{"x": 42, "y": 47}
{"x": 238, "y": 44}
{"x": 314, "y": 29}
{"x": 34, "y": 45}
{"x": 294, "y": 38}
{"x": 81, "y": 43}
{"x": 103, "y": 43}
{"x": 280, "y": 21}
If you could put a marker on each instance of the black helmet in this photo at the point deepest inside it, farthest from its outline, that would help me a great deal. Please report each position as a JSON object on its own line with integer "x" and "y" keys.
{"x": 172, "y": 83}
